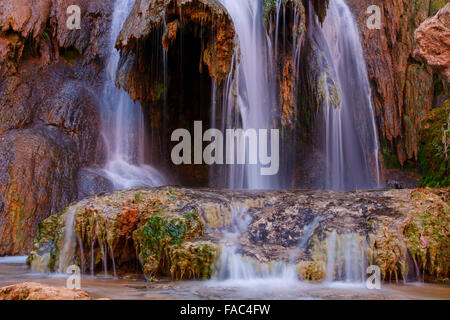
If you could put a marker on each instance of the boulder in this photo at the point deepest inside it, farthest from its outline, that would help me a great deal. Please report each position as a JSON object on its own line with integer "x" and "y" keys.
{"x": 179, "y": 232}
{"x": 90, "y": 183}
{"x": 37, "y": 291}
{"x": 433, "y": 42}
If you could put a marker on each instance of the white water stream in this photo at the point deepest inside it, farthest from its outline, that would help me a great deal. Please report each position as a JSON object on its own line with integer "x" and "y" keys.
{"x": 256, "y": 87}
{"x": 123, "y": 123}
{"x": 351, "y": 144}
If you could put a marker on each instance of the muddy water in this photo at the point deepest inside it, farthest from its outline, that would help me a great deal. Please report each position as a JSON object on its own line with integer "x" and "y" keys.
{"x": 97, "y": 287}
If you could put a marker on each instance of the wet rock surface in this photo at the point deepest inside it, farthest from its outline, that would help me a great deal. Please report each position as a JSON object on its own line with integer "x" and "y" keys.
{"x": 389, "y": 56}
{"x": 153, "y": 21}
{"x": 49, "y": 121}
{"x": 91, "y": 183}
{"x": 44, "y": 142}
{"x": 277, "y": 229}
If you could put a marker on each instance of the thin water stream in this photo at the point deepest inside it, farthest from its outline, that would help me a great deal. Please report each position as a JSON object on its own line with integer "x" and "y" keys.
{"x": 123, "y": 125}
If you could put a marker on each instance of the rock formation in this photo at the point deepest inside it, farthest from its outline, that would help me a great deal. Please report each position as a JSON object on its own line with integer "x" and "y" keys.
{"x": 433, "y": 42}
{"x": 153, "y": 20}
{"x": 49, "y": 132}
{"x": 49, "y": 123}
{"x": 177, "y": 231}
{"x": 393, "y": 72}
{"x": 37, "y": 291}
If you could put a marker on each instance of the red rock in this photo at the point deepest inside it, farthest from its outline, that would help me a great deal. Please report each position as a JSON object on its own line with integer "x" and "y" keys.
{"x": 37, "y": 291}
{"x": 388, "y": 55}
{"x": 433, "y": 42}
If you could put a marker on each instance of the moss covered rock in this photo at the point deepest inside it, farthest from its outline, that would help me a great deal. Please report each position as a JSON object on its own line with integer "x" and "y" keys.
{"x": 434, "y": 149}
{"x": 165, "y": 246}
{"x": 311, "y": 270}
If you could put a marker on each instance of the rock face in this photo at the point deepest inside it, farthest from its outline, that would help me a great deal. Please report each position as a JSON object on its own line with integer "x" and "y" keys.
{"x": 163, "y": 229}
{"x": 44, "y": 142}
{"x": 37, "y": 291}
{"x": 147, "y": 19}
{"x": 433, "y": 42}
{"x": 179, "y": 232}
{"x": 28, "y": 26}
{"x": 434, "y": 149}
{"x": 393, "y": 73}
{"x": 49, "y": 124}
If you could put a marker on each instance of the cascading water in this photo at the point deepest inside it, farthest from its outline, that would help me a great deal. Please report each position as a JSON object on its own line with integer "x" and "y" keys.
{"x": 68, "y": 250}
{"x": 256, "y": 90}
{"x": 235, "y": 268}
{"x": 123, "y": 123}
{"x": 344, "y": 125}
{"x": 346, "y": 258}
{"x": 351, "y": 145}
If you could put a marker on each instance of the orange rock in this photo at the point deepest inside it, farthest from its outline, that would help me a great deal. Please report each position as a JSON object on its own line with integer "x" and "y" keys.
{"x": 128, "y": 219}
{"x": 433, "y": 42}
{"x": 37, "y": 291}
{"x": 387, "y": 52}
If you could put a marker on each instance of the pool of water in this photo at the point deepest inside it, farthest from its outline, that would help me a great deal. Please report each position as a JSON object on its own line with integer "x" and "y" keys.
{"x": 14, "y": 271}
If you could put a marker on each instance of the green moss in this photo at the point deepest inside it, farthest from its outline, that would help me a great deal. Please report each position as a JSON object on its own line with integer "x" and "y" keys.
{"x": 45, "y": 36}
{"x": 427, "y": 237}
{"x": 390, "y": 159}
{"x": 70, "y": 54}
{"x": 434, "y": 147}
{"x": 46, "y": 246}
{"x": 163, "y": 246}
{"x": 436, "y": 5}
{"x": 270, "y": 8}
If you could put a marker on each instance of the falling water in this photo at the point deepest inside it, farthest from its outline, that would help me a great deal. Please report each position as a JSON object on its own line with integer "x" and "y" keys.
{"x": 307, "y": 232}
{"x": 70, "y": 242}
{"x": 232, "y": 266}
{"x": 256, "y": 91}
{"x": 123, "y": 123}
{"x": 351, "y": 145}
{"x": 346, "y": 258}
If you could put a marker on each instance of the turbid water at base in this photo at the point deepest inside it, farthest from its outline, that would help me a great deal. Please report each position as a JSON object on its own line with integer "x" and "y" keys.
{"x": 166, "y": 289}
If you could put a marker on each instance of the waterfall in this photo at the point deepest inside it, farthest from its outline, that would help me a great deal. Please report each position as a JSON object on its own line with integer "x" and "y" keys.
{"x": 233, "y": 267}
{"x": 67, "y": 253}
{"x": 350, "y": 137}
{"x": 255, "y": 87}
{"x": 346, "y": 257}
{"x": 123, "y": 127}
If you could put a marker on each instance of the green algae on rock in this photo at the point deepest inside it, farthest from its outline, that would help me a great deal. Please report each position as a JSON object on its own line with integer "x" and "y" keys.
{"x": 164, "y": 245}
{"x": 434, "y": 147}
{"x": 421, "y": 233}
{"x": 178, "y": 232}
{"x": 121, "y": 228}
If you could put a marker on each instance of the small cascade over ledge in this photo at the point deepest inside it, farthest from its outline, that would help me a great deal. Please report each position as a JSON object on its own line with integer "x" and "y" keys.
{"x": 123, "y": 123}
{"x": 346, "y": 122}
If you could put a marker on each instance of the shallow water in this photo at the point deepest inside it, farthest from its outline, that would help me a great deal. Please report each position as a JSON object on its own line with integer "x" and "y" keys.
{"x": 273, "y": 289}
